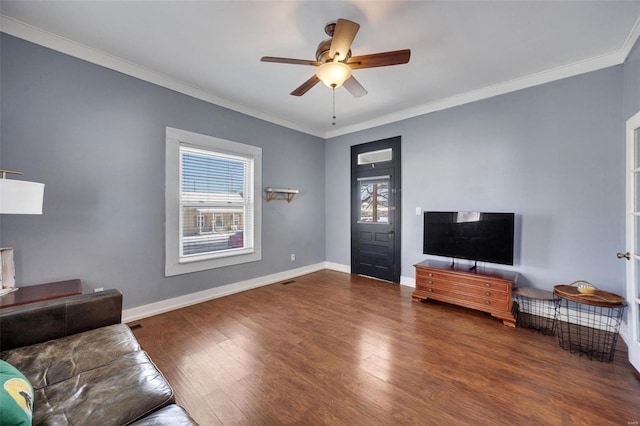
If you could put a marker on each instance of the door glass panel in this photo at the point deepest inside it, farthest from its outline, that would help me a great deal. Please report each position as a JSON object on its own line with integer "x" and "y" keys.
{"x": 374, "y": 199}
{"x": 636, "y": 201}
{"x": 375, "y": 156}
{"x": 636, "y": 278}
{"x": 636, "y": 224}
{"x": 636, "y": 150}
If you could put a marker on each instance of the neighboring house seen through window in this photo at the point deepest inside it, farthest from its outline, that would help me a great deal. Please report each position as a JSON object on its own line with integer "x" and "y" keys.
{"x": 211, "y": 188}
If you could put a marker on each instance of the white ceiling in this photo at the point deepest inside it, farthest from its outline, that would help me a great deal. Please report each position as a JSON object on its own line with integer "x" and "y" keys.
{"x": 460, "y": 51}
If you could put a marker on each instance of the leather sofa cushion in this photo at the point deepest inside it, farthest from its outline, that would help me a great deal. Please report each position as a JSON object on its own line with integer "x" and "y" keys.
{"x": 171, "y": 415}
{"x": 57, "y": 360}
{"x": 25, "y": 325}
{"x": 117, "y": 393}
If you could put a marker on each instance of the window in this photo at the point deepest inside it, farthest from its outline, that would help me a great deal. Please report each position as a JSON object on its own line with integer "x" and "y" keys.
{"x": 374, "y": 199}
{"x": 218, "y": 223}
{"x": 373, "y": 157}
{"x": 200, "y": 222}
{"x": 212, "y": 219}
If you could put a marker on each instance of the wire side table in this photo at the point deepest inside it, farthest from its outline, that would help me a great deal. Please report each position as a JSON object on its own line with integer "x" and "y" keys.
{"x": 588, "y": 324}
{"x": 536, "y": 310}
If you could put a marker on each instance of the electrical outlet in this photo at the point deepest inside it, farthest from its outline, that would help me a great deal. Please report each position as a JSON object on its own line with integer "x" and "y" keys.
{"x": 418, "y": 211}
{"x": 98, "y": 289}
{"x": 293, "y": 257}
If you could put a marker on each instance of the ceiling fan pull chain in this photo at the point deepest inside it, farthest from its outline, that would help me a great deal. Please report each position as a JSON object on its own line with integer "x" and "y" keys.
{"x": 333, "y": 87}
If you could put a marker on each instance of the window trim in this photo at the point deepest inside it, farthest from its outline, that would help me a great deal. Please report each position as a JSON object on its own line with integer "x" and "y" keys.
{"x": 174, "y": 138}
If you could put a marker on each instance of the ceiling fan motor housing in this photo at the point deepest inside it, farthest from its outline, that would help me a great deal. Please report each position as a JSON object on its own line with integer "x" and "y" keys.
{"x": 330, "y": 28}
{"x": 322, "y": 52}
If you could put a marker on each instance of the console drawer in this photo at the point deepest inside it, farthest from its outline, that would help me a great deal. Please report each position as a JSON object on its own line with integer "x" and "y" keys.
{"x": 471, "y": 290}
{"x": 469, "y": 300}
{"x": 488, "y": 282}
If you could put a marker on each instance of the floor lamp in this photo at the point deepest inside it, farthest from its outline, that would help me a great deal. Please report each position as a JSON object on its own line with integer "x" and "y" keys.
{"x": 16, "y": 197}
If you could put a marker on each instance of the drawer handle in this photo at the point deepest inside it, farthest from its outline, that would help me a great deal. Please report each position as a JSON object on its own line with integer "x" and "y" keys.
{"x": 430, "y": 282}
{"x": 487, "y": 302}
{"x": 430, "y": 274}
{"x": 487, "y": 285}
{"x": 430, "y": 290}
{"x": 488, "y": 293}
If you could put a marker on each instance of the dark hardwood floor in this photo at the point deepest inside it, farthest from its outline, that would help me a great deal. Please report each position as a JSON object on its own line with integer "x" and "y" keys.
{"x": 332, "y": 348}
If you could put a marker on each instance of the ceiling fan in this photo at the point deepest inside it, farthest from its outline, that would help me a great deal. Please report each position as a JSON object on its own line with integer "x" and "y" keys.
{"x": 334, "y": 60}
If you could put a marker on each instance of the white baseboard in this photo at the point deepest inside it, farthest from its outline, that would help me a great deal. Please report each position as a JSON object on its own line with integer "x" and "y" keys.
{"x": 137, "y": 313}
{"x": 338, "y": 267}
{"x": 408, "y": 281}
{"x": 144, "y": 311}
{"x": 625, "y": 333}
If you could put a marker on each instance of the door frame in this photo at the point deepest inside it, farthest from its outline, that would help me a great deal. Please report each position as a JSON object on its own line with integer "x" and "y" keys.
{"x": 393, "y": 167}
{"x": 631, "y": 234}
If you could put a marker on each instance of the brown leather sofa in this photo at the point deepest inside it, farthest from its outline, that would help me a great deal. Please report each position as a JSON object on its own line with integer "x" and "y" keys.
{"x": 86, "y": 367}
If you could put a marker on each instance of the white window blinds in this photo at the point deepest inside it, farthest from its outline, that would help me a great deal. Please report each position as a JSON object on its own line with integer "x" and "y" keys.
{"x": 216, "y": 203}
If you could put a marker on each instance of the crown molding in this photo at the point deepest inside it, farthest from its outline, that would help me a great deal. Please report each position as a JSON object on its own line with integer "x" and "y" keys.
{"x": 558, "y": 73}
{"x": 55, "y": 42}
{"x": 525, "y": 82}
{"x": 631, "y": 40}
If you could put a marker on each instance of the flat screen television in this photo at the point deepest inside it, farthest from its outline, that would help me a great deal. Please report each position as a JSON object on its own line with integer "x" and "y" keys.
{"x": 478, "y": 236}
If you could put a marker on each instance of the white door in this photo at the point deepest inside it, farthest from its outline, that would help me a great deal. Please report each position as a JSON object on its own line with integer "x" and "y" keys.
{"x": 633, "y": 241}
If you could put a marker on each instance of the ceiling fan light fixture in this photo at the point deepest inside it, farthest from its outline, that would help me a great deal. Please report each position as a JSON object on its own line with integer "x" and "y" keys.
{"x": 333, "y": 74}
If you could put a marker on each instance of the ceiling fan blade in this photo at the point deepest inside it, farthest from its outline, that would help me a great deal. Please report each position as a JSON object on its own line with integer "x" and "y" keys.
{"x": 290, "y": 61}
{"x": 354, "y": 87}
{"x": 383, "y": 59}
{"x": 304, "y": 87}
{"x": 343, "y": 36}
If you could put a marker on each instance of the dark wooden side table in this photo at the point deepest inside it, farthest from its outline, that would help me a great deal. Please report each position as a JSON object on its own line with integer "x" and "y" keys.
{"x": 41, "y": 292}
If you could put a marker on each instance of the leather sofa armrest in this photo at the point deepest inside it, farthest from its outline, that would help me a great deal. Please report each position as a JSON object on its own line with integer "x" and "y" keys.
{"x": 38, "y": 322}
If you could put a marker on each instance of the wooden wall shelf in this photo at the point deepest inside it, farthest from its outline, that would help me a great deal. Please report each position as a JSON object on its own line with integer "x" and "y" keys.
{"x": 280, "y": 194}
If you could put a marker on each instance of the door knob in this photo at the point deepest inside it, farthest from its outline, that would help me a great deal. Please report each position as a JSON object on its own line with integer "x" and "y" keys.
{"x": 626, "y": 255}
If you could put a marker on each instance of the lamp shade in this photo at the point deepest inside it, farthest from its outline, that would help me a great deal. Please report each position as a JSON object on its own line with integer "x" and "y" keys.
{"x": 333, "y": 74}
{"x": 21, "y": 197}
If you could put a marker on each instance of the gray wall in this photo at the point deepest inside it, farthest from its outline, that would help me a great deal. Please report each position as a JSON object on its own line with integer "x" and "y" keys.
{"x": 631, "y": 93}
{"x": 553, "y": 154}
{"x": 95, "y": 137}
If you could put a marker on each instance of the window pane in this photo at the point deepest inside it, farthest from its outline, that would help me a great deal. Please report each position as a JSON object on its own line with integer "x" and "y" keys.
{"x": 374, "y": 200}
{"x": 636, "y": 178}
{"x": 636, "y": 278}
{"x": 636, "y": 149}
{"x": 636, "y": 224}
{"x": 375, "y": 156}
{"x": 213, "y": 204}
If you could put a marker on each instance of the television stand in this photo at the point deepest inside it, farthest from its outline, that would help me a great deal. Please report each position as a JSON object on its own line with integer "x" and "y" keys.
{"x": 487, "y": 290}
{"x": 474, "y": 267}
{"x": 452, "y": 265}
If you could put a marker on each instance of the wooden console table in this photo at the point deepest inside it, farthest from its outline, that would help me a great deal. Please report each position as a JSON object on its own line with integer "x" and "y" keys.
{"x": 487, "y": 290}
{"x": 41, "y": 292}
